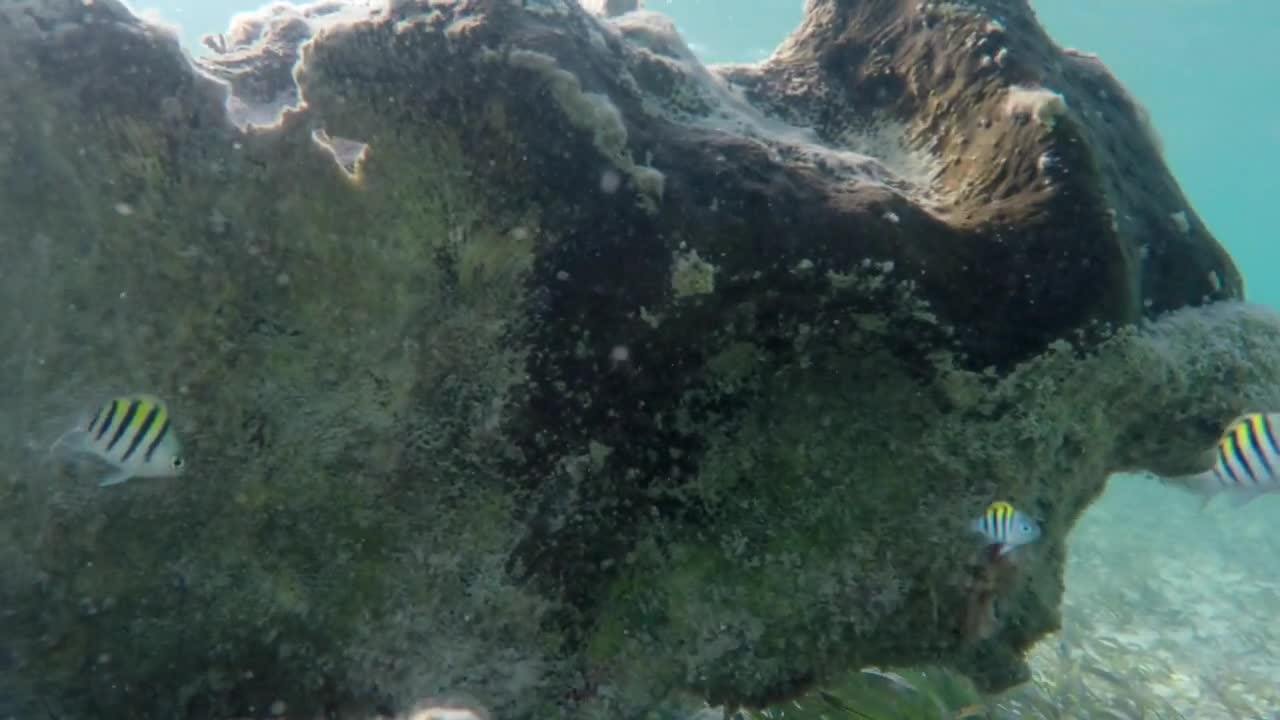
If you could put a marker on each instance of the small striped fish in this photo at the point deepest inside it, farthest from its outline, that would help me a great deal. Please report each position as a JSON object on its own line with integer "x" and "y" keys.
{"x": 134, "y": 434}
{"x": 1247, "y": 464}
{"x": 1006, "y": 526}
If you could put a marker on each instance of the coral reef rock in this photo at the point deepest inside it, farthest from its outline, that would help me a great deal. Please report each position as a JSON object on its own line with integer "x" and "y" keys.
{"x": 518, "y": 356}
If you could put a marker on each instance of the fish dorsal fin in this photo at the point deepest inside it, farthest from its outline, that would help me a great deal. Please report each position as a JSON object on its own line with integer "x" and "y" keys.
{"x": 144, "y": 397}
{"x": 1236, "y": 422}
{"x": 1228, "y": 432}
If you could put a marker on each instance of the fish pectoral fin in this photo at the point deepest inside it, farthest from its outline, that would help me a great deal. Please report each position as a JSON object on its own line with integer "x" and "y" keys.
{"x": 114, "y": 478}
{"x": 1204, "y": 484}
{"x": 1240, "y": 499}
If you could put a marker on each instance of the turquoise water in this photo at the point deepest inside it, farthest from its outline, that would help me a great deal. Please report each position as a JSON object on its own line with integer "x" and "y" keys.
{"x": 1203, "y": 69}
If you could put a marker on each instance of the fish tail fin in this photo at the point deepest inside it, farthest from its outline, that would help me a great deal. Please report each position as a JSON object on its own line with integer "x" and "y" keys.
{"x": 72, "y": 440}
{"x": 1205, "y": 485}
{"x": 1204, "y": 502}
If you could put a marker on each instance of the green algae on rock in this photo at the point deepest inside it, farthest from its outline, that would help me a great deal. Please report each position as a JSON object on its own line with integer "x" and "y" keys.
{"x": 522, "y": 356}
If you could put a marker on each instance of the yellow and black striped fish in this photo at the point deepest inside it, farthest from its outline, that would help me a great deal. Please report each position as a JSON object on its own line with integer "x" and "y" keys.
{"x": 134, "y": 434}
{"x": 1004, "y": 525}
{"x": 1247, "y": 464}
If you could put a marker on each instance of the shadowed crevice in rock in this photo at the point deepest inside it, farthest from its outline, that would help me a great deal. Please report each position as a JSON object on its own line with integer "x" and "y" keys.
{"x": 524, "y": 356}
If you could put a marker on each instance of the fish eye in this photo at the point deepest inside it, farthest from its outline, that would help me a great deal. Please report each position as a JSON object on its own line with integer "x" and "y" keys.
{"x": 177, "y": 463}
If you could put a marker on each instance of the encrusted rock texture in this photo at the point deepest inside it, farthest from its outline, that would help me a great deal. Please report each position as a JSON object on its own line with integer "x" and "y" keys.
{"x": 520, "y": 357}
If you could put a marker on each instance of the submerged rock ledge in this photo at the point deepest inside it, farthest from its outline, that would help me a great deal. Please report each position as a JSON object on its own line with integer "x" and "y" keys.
{"x": 520, "y": 355}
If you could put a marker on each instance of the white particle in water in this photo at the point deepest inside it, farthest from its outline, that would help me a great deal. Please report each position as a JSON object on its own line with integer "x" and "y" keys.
{"x": 619, "y": 354}
{"x": 610, "y": 181}
{"x": 217, "y": 222}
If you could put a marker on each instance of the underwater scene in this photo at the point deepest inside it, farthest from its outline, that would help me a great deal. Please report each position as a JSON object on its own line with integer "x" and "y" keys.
{"x": 639, "y": 360}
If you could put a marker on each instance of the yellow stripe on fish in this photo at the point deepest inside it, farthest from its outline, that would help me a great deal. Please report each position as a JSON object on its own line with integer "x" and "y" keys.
{"x": 1246, "y": 463}
{"x": 134, "y": 434}
{"x": 1004, "y": 525}
{"x": 1248, "y": 454}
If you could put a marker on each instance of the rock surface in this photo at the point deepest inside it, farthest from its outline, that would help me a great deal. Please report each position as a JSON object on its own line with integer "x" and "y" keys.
{"x": 517, "y": 354}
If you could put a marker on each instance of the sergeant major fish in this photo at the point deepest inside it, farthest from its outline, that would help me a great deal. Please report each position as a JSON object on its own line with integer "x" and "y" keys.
{"x": 134, "y": 434}
{"x": 1247, "y": 463}
{"x": 1006, "y": 526}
